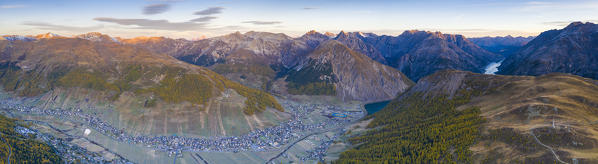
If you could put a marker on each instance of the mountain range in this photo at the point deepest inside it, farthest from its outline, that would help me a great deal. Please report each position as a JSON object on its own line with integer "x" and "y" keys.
{"x": 94, "y": 73}
{"x": 504, "y": 46}
{"x": 541, "y": 108}
{"x": 258, "y": 59}
{"x": 406, "y": 52}
{"x": 573, "y": 49}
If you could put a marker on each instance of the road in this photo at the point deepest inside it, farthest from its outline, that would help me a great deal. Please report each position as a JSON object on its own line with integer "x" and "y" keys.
{"x": 301, "y": 139}
{"x": 338, "y": 128}
{"x": 204, "y": 161}
{"x": 285, "y": 150}
{"x": 549, "y": 148}
{"x": 76, "y": 137}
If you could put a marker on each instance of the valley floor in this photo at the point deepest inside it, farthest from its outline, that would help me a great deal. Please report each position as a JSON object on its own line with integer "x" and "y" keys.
{"x": 305, "y": 137}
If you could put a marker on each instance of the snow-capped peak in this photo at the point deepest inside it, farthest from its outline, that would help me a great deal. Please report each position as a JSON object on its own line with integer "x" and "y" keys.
{"x": 47, "y": 35}
{"x": 18, "y": 37}
{"x": 98, "y": 37}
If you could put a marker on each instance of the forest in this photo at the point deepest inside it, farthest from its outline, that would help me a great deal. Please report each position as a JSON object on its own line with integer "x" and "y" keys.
{"x": 177, "y": 85}
{"x": 314, "y": 79}
{"x": 21, "y": 148}
{"x": 417, "y": 129}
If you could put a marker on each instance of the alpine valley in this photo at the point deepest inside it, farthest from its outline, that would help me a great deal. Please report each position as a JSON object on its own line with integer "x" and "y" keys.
{"x": 262, "y": 97}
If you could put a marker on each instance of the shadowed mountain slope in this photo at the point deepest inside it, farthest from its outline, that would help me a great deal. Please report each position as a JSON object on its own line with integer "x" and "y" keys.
{"x": 573, "y": 50}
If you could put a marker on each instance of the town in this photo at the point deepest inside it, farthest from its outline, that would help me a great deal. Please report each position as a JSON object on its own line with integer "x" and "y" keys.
{"x": 259, "y": 140}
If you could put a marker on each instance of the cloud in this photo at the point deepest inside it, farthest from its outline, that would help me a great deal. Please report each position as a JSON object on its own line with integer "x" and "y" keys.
{"x": 557, "y": 23}
{"x": 204, "y": 19}
{"x": 155, "y": 9}
{"x": 54, "y": 27}
{"x": 263, "y": 22}
{"x": 12, "y": 6}
{"x": 210, "y": 11}
{"x": 154, "y": 24}
{"x": 310, "y": 8}
{"x": 565, "y": 23}
{"x": 556, "y": 6}
{"x": 167, "y": 0}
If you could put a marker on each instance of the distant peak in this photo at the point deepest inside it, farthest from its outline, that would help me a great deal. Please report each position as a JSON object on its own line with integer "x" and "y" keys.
{"x": 93, "y": 34}
{"x": 315, "y": 34}
{"x": 96, "y": 36}
{"x": 578, "y": 24}
{"x": 46, "y": 35}
{"x": 362, "y": 34}
{"x": 343, "y": 33}
{"x": 312, "y": 32}
{"x": 329, "y": 34}
{"x": 237, "y": 33}
{"x": 412, "y": 31}
{"x": 18, "y": 37}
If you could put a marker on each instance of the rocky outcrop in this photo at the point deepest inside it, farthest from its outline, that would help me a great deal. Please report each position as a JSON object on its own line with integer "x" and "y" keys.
{"x": 356, "y": 41}
{"x": 573, "y": 49}
{"x": 357, "y": 77}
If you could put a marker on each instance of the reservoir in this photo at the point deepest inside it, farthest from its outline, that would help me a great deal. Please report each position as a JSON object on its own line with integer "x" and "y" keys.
{"x": 492, "y": 68}
{"x": 372, "y": 108}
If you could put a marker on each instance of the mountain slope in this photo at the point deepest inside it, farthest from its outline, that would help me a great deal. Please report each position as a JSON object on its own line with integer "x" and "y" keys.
{"x": 354, "y": 75}
{"x": 506, "y": 46}
{"x": 573, "y": 49}
{"x": 472, "y": 118}
{"x": 138, "y": 84}
{"x": 421, "y": 53}
{"x": 355, "y": 41}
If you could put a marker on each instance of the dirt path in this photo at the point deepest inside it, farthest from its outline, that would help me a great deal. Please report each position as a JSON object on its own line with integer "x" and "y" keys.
{"x": 548, "y": 147}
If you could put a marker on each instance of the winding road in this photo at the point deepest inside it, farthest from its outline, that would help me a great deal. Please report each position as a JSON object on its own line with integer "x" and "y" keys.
{"x": 303, "y": 138}
{"x": 285, "y": 150}
{"x": 548, "y": 147}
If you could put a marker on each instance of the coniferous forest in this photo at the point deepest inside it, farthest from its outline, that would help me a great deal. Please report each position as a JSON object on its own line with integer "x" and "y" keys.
{"x": 417, "y": 130}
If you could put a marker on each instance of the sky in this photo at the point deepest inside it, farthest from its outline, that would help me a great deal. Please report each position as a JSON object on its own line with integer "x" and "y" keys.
{"x": 194, "y": 19}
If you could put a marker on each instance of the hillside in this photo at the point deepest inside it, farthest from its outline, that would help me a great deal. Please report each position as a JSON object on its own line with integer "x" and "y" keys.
{"x": 137, "y": 84}
{"x": 573, "y": 50}
{"x": 19, "y": 147}
{"x": 356, "y": 41}
{"x": 473, "y": 118}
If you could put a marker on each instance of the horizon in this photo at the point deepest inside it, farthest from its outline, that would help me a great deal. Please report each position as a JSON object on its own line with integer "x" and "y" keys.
{"x": 193, "y": 39}
{"x": 202, "y": 19}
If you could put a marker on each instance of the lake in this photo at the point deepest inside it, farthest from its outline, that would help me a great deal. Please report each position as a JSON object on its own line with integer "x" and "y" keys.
{"x": 372, "y": 108}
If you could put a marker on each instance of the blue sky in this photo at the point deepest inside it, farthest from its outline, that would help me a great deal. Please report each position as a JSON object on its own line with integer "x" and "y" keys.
{"x": 173, "y": 18}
